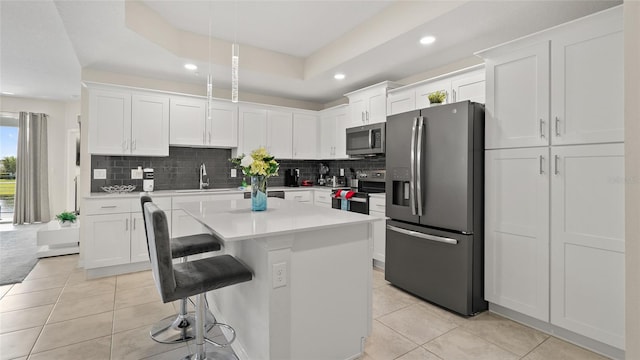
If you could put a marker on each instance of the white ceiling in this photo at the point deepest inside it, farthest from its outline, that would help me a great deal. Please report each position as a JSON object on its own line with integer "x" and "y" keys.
{"x": 289, "y": 49}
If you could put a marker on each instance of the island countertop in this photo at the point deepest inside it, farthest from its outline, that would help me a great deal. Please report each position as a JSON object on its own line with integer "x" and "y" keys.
{"x": 233, "y": 219}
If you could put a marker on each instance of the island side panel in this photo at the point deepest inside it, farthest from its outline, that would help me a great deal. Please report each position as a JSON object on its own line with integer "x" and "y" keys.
{"x": 331, "y": 276}
{"x": 322, "y": 312}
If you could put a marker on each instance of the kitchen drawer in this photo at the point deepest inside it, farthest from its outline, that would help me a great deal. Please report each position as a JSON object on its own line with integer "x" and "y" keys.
{"x": 299, "y": 196}
{"x": 322, "y": 197}
{"x": 377, "y": 204}
{"x": 107, "y": 206}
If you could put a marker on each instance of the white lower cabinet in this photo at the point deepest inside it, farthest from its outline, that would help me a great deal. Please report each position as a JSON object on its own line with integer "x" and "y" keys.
{"x": 322, "y": 198}
{"x": 299, "y": 196}
{"x": 587, "y": 241}
{"x": 573, "y": 278}
{"x": 517, "y": 230}
{"x": 113, "y": 231}
{"x": 377, "y": 208}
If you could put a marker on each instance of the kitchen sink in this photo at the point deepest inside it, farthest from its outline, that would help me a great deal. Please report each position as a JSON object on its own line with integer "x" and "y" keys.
{"x": 202, "y": 191}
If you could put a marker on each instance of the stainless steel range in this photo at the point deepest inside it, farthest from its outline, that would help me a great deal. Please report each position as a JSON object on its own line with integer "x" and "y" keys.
{"x": 357, "y": 199}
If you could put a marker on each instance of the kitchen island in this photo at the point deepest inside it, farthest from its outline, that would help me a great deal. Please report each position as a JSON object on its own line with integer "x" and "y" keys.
{"x": 310, "y": 297}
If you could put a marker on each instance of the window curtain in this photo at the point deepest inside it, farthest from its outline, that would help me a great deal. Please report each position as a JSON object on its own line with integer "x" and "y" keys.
{"x": 32, "y": 183}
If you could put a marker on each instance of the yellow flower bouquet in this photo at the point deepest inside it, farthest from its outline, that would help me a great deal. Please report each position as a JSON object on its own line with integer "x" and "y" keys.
{"x": 259, "y": 163}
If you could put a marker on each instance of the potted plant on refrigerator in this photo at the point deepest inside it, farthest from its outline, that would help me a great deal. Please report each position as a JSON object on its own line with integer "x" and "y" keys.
{"x": 437, "y": 97}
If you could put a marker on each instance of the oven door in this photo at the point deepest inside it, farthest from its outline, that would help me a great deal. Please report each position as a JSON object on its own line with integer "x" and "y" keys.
{"x": 356, "y": 204}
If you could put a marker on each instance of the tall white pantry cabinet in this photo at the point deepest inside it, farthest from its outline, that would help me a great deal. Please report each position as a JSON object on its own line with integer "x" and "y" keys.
{"x": 554, "y": 190}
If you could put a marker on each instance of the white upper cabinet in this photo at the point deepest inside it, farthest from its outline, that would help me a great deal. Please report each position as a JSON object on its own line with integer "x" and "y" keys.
{"x": 149, "y": 125}
{"x": 516, "y": 241}
{"x": 587, "y": 240}
{"x": 333, "y": 125}
{"x": 280, "y": 133}
{"x": 369, "y": 105}
{"x": 222, "y": 130}
{"x": 517, "y": 108}
{"x": 561, "y": 87}
{"x": 187, "y": 119}
{"x": 468, "y": 84}
{"x": 401, "y": 101}
{"x": 126, "y": 123}
{"x": 109, "y": 122}
{"x": 469, "y": 87}
{"x": 587, "y": 87}
{"x": 305, "y": 136}
{"x": 252, "y": 126}
{"x": 190, "y": 125}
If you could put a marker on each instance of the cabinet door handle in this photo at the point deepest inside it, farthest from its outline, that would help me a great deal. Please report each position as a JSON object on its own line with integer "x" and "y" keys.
{"x": 541, "y": 160}
{"x": 133, "y": 144}
{"x": 362, "y": 114}
{"x": 126, "y": 224}
{"x": 367, "y": 116}
{"x": 134, "y": 223}
{"x": 125, "y": 143}
{"x": 541, "y": 128}
{"x": 555, "y": 161}
{"x": 204, "y": 138}
{"x": 108, "y": 207}
{"x": 209, "y": 137}
{"x": 454, "y": 95}
{"x": 557, "y": 126}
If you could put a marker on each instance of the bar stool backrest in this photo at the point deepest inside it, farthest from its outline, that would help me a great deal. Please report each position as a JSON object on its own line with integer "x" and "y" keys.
{"x": 143, "y": 200}
{"x": 159, "y": 244}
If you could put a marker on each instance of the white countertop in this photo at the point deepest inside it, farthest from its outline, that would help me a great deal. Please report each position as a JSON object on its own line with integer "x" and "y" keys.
{"x": 135, "y": 194}
{"x": 233, "y": 219}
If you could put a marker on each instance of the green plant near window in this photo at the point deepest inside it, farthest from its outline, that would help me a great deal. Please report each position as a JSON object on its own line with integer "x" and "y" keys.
{"x": 66, "y": 216}
{"x": 437, "y": 97}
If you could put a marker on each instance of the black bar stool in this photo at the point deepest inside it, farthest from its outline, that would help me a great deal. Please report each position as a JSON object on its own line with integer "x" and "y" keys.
{"x": 179, "y": 328}
{"x": 189, "y": 278}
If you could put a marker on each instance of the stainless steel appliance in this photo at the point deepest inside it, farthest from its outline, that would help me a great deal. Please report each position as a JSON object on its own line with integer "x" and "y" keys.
{"x": 147, "y": 179}
{"x": 435, "y": 199}
{"x": 292, "y": 177}
{"x": 367, "y": 140}
{"x": 323, "y": 170}
{"x": 369, "y": 182}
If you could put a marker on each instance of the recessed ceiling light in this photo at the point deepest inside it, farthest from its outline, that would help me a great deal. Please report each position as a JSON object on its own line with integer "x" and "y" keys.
{"x": 7, "y": 93}
{"x": 427, "y": 40}
{"x": 190, "y": 67}
{"x": 339, "y": 76}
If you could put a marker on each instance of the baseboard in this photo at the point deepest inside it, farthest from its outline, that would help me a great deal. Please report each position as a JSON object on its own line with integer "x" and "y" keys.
{"x": 378, "y": 264}
{"x": 564, "y": 334}
{"x": 117, "y": 269}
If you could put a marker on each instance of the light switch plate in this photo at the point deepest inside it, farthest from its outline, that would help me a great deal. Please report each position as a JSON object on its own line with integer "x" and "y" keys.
{"x": 136, "y": 174}
{"x": 99, "y": 174}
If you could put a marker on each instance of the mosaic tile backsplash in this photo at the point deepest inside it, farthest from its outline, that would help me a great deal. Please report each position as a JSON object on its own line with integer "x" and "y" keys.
{"x": 180, "y": 169}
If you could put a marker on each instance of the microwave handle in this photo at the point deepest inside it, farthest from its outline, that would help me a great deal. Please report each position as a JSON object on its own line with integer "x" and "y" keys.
{"x": 370, "y": 138}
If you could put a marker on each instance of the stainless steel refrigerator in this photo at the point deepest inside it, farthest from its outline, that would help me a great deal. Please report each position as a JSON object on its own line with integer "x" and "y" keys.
{"x": 434, "y": 193}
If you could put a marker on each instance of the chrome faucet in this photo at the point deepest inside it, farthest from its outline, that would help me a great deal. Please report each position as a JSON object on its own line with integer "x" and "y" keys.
{"x": 203, "y": 173}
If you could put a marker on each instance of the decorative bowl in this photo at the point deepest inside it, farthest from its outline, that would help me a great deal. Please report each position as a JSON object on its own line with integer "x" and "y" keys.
{"x": 117, "y": 189}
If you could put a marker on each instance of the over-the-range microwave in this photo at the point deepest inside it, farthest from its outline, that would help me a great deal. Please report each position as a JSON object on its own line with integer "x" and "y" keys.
{"x": 366, "y": 140}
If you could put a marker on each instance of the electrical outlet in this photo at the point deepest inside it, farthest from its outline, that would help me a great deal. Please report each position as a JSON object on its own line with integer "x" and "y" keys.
{"x": 99, "y": 174}
{"x": 341, "y": 172}
{"x": 234, "y": 173}
{"x": 279, "y": 275}
{"x": 136, "y": 174}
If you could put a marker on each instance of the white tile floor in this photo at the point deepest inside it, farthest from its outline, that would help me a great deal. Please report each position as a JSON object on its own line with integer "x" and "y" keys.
{"x": 57, "y": 314}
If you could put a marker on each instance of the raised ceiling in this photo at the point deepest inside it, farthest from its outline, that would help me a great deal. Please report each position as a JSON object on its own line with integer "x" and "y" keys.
{"x": 288, "y": 49}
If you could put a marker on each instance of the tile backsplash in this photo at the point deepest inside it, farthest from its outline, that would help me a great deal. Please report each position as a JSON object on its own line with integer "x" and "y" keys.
{"x": 179, "y": 170}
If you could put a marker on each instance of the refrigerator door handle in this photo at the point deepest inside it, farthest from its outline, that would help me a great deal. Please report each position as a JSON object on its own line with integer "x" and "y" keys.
{"x": 412, "y": 178}
{"x": 423, "y": 236}
{"x": 419, "y": 147}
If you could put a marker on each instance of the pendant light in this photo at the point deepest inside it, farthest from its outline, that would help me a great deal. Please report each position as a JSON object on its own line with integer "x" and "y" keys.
{"x": 209, "y": 78}
{"x": 235, "y": 57}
